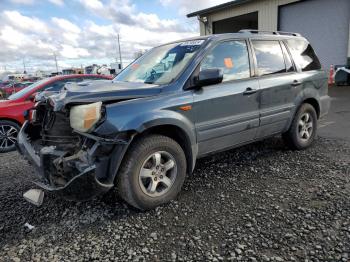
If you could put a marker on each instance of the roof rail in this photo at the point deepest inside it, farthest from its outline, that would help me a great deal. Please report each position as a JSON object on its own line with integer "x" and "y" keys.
{"x": 254, "y": 31}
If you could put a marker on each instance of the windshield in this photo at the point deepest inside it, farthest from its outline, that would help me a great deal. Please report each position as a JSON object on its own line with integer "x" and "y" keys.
{"x": 26, "y": 90}
{"x": 162, "y": 64}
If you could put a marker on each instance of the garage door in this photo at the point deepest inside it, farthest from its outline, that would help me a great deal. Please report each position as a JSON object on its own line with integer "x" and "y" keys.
{"x": 324, "y": 23}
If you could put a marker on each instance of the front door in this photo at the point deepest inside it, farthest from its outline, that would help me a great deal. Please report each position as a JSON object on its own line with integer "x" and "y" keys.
{"x": 227, "y": 114}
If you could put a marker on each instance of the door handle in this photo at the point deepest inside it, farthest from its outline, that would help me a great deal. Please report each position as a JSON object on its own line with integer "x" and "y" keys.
{"x": 249, "y": 91}
{"x": 296, "y": 83}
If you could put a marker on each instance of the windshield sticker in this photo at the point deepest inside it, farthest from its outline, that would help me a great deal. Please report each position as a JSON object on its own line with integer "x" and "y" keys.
{"x": 192, "y": 43}
{"x": 228, "y": 62}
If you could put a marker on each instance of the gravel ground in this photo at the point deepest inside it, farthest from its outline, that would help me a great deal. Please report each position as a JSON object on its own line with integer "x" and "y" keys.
{"x": 260, "y": 202}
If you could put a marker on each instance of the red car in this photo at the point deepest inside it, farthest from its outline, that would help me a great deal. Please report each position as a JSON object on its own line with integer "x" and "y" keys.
{"x": 13, "y": 108}
{"x": 14, "y": 88}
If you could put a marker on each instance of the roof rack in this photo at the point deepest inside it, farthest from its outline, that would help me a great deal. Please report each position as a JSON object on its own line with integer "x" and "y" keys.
{"x": 253, "y": 31}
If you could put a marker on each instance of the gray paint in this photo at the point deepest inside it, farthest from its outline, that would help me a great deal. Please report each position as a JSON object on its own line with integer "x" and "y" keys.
{"x": 324, "y": 23}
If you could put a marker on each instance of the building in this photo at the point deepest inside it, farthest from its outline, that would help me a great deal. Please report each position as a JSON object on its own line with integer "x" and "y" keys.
{"x": 325, "y": 23}
{"x": 73, "y": 71}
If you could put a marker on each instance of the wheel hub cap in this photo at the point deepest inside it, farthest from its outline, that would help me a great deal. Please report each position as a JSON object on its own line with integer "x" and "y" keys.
{"x": 8, "y": 136}
{"x": 157, "y": 174}
{"x": 305, "y": 127}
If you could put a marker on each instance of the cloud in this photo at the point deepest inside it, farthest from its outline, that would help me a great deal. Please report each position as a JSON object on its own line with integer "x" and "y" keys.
{"x": 123, "y": 12}
{"x": 23, "y": 2}
{"x": 24, "y": 23}
{"x": 66, "y": 25}
{"x": 87, "y": 40}
{"x": 73, "y": 52}
{"x": 185, "y": 6}
{"x": 92, "y": 4}
{"x": 57, "y": 2}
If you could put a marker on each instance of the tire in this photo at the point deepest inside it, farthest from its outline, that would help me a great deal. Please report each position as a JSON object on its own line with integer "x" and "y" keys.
{"x": 153, "y": 186}
{"x": 8, "y": 135}
{"x": 300, "y": 136}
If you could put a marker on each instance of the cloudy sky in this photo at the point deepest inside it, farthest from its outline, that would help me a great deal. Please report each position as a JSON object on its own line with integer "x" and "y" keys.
{"x": 82, "y": 32}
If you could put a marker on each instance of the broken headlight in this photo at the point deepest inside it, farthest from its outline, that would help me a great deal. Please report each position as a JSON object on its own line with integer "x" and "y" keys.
{"x": 84, "y": 117}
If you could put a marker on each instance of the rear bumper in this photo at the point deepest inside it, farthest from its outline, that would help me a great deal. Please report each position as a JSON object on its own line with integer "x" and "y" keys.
{"x": 325, "y": 104}
{"x": 91, "y": 177}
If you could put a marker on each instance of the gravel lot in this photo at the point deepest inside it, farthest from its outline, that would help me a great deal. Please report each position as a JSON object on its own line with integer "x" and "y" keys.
{"x": 260, "y": 202}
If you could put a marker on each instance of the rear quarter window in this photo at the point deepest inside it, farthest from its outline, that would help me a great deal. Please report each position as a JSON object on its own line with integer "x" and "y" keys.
{"x": 303, "y": 54}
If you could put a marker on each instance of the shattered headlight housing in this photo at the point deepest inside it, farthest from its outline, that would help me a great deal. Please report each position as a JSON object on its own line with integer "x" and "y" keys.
{"x": 83, "y": 118}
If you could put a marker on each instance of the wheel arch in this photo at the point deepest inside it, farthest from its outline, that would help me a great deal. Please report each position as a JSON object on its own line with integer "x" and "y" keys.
{"x": 305, "y": 100}
{"x": 314, "y": 103}
{"x": 11, "y": 120}
{"x": 176, "y": 133}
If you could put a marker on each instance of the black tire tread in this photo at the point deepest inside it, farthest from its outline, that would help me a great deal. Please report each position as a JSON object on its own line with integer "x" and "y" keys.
{"x": 136, "y": 148}
{"x": 290, "y": 137}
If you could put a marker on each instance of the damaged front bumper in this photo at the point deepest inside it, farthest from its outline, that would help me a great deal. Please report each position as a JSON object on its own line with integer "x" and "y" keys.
{"x": 87, "y": 173}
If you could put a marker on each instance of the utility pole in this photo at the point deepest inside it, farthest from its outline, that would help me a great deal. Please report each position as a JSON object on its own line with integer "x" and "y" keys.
{"x": 24, "y": 67}
{"x": 120, "y": 54}
{"x": 54, "y": 55}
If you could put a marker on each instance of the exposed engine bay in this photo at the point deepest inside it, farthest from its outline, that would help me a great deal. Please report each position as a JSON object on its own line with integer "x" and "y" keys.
{"x": 76, "y": 163}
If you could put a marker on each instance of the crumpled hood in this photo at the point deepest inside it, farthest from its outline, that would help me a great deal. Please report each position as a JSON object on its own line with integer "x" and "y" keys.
{"x": 95, "y": 91}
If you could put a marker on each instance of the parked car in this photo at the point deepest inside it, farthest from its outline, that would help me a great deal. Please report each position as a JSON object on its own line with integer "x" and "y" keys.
{"x": 3, "y": 84}
{"x": 14, "y": 88}
{"x": 13, "y": 108}
{"x": 143, "y": 132}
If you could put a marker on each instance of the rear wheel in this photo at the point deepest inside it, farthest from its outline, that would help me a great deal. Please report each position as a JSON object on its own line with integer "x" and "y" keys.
{"x": 303, "y": 129}
{"x": 8, "y": 135}
{"x": 152, "y": 172}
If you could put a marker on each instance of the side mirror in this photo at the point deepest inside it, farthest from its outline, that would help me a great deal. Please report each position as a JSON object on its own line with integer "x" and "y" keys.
{"x": 208, "y": 77}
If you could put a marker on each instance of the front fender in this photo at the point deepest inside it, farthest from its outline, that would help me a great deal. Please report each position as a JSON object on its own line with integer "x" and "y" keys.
{"x": 139, "y": 115}
{"x": 159, "y": 118}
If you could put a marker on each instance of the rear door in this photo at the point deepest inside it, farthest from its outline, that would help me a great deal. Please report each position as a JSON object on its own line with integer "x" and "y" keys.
{"x": 278, "y": 83}
{"x": 227, "y": 114}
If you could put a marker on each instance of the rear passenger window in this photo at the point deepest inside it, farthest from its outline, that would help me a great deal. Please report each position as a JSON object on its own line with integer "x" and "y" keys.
{"x": 287, "y": 59}
{"x": 303, "y": 55}
{"x": 232, "y": 57}
{"x": 269, "y": 57}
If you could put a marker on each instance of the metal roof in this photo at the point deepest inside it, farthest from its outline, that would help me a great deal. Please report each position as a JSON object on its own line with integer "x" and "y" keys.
{"x": 218, "y": 7}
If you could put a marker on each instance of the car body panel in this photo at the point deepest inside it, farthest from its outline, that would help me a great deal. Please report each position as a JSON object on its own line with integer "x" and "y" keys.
{"x": 225, "y": 116}
{"x": 277, "y": 97}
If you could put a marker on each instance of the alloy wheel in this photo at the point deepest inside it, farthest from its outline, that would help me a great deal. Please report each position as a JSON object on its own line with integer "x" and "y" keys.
{"x": 305, "y": 127}
{"x": 157, "y": 174}
{"x": 8, "y": 137}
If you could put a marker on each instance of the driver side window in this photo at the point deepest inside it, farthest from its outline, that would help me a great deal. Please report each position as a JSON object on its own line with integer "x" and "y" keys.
{"x": 232, "y": 57}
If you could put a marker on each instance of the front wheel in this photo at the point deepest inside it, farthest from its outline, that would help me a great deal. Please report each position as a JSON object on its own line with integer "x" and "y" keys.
{"x": 8, "y": 136}
{"x": 152, "y": 172}
{"x": 303, "y": 129}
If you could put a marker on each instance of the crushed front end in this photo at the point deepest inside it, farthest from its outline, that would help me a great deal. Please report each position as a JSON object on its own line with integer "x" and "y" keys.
{"x": 74, "y": 164}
